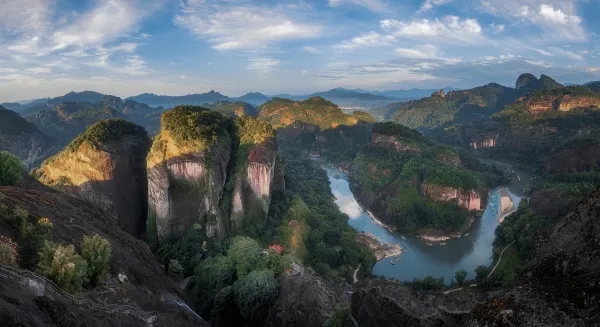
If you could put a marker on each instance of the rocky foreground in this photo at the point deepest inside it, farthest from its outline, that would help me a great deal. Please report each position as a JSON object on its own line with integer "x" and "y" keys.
{"x": 381, "y": 250}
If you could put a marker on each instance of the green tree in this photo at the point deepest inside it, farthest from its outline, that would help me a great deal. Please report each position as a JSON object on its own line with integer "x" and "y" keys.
{"x": 245, "y": 254}
{"x": 11, "y": 169}
{"x": 96, "y": 251}
{"x": 255, "y": 293}
{"x": 63, "y": 265}
{"x": 481, "y": 273}
{"x": 8, "y": 251}
{"x": 175, "y": 269}
{"x": 340, "y": 317}
{"x": 460, "y": 276}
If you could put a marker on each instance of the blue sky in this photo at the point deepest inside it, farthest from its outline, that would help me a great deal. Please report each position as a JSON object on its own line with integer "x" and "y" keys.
{"x": 126, "y": 47}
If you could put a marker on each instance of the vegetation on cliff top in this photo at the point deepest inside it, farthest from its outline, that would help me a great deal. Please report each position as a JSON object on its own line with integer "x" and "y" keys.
{"x": 106, "y": 131}
{"x": 315, "y": 111}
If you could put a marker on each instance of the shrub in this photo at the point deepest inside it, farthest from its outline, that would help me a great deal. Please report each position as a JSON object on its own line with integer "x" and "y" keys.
{"x": 8, "y": 251}
{"x": 96, "y": 252}
{"x": 175, "y": 269}
{"x": 62, "y": 265}
{"x": 341, "y": 316}
{"x": 245, "y": 254}
{"x": 30, "y": 237}
{"x": 460, "y": 276}
{"x": 11, "y": 169}
{"x": 255, "y": 293}
{"x": 481, "y": 273}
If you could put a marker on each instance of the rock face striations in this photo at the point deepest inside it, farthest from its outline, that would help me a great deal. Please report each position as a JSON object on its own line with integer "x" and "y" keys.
{"x": 203, "y": 167}
{"x": 107, "y": 165}
{"x": 22, "y": 138}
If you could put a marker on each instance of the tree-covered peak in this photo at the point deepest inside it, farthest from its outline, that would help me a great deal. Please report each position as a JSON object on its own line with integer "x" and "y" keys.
{"x": 106, "y": 131}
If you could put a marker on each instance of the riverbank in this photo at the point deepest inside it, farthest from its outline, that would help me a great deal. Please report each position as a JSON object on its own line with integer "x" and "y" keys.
{"x": 381, "y": 250}
{"x": 507, "y": 205}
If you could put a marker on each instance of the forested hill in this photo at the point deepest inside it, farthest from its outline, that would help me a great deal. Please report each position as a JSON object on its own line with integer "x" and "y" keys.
{"x": 315, "y": 111}
{"x": 463, "y": 106}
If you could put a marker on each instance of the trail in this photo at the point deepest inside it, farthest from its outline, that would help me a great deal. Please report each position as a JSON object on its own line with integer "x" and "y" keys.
{"x": 354, "y": 278}
{"x": 499, "y": 259}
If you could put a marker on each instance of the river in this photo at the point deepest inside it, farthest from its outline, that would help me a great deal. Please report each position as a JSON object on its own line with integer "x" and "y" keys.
{"x": 422, "y": 258}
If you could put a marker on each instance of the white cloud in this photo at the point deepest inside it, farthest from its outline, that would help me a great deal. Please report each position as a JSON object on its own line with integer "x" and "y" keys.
{"x": 135, "y": 66}
{"x": 497, "y": 28}
{"x": 429, "y": 4}
{"x": 262, "y": 65}
{"x": 25, "y": 16}
{"x": 112, "y": 19}
{"x": 241, "y": 27}
{"x": 450, "y": 28}
{"x": 421, "y": 52}
{"x": 370, "y": 39}
{"x": 556, "y": 18}
{"x": 39, "y": 70}
{"x": 566, "y": 53}
{"x": 374, "y": 5}
{"x": 311, "y": 49}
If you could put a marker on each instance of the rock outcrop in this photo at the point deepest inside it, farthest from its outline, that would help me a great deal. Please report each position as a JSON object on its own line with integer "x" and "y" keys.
{"x": 107, "y": 165}
{"x": 23, "y": 139}
{"x": 204, "y": 169}
{"x": 254, "y": 181}
{"x": 471, "y": 200}
{"x": 559, "y": 283}
{"x": 304, "y": 300}
{"x": 72, "y": 218}
{"x": 381, "y": 250}
{"x": 187, "y": 171}
{"x": 378, "y": 303}
{"x": 484, "y": 142}
{"x": 390, "y": 142}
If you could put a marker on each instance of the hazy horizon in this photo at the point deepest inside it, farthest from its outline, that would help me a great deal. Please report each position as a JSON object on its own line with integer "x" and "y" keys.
{"x": 173, "y": 47}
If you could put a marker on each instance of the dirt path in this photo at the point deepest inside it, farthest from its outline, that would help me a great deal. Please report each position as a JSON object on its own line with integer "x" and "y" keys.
{"x": 354, "y": 278}
{"x": 499, "y": 259}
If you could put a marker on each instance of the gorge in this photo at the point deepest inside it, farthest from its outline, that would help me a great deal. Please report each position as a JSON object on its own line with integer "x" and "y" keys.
{"x": 420, "y": 258}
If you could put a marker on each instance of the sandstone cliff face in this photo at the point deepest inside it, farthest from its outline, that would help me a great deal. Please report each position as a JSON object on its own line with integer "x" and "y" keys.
{"x": 255, "y": 182}
{"x": 390, "y": 142}
{"x": 468, "y": 199}
{"x": 112, "y": 175}
{"x": 484, "y": 142}
{"x": 567, "y": 102}
{"x": 23, "y": 139}
{"x": 215, "y": 178}
{"x": 186, "y": 188}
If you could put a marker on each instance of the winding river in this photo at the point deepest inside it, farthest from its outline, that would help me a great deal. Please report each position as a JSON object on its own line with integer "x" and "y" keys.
{"x": 422, "y": 258}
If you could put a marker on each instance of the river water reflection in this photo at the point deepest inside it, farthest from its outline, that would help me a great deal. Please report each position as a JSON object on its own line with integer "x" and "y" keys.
{"x": 426, "y": 258}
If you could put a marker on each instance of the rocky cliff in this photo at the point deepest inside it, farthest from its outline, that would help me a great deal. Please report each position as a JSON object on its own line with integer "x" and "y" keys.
{"x": 208, "y": 169}
{"x": 471, "y": 200}
{"x": 187, "y": 171}
{"x": 145, "y": 286}
{"x": 484, "y": 141}
{"x": 392, "y": 143}
{"x": 107, "y": 165}
{"x": 23, "y": 139}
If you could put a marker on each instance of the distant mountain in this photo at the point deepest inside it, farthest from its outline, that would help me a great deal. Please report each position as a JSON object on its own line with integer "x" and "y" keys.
{"x": 594, "y": 86}
{"x": 172, "y": 101}
{"x": 527, "y": 83}
{"x": 411, "y": 94}
{"x": 85, "y": 96}
{"x": 341, "y": 93}
{"x": 232, "y": 109}
{"x": 14, "y": 106}
{"x": 253, "y": 98}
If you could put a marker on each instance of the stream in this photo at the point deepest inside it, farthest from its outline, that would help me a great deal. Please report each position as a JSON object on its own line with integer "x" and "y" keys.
{"x": 422, "y": 258}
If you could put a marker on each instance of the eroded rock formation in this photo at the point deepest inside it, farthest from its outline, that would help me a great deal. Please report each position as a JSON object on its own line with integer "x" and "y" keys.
{"x": 392, "y": 143}
{"x": 107, "y": 165}
{"x": 471, "y": 200}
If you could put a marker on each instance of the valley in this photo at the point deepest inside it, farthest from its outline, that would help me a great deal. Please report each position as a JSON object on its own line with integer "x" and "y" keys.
{"x": 275, "y": 210}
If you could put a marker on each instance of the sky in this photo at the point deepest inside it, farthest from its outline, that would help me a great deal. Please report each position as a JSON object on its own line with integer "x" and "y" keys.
{"x": 176, "y": 47}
